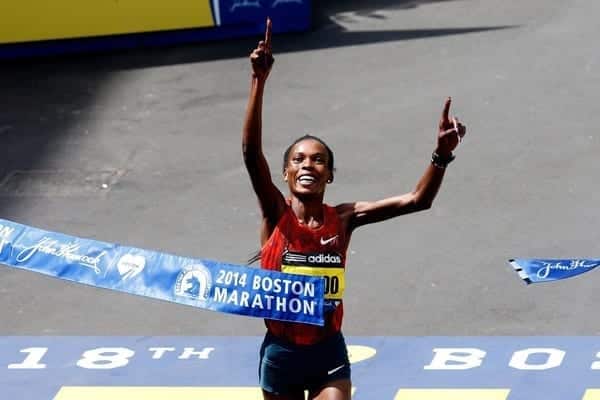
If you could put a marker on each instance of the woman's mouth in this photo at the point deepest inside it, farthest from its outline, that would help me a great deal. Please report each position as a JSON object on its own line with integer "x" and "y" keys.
{"x": 306, "y": 180}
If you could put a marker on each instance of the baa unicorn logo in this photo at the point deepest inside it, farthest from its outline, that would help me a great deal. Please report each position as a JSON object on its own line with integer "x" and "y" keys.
{"x": 194, "y": 282}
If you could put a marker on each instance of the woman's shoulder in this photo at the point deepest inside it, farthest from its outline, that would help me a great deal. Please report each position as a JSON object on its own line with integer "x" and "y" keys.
{"x": 344, "y": 209}
{"x": 346, "y": 212}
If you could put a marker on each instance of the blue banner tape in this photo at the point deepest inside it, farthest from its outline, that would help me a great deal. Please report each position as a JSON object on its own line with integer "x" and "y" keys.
{"x": 206, "y": 284}
{"x": 287, "y": 15}
{"x": 546, "y": 270}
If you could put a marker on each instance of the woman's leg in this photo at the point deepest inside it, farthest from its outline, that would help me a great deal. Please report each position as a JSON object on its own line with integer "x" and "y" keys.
{"x": 340, "y": 389}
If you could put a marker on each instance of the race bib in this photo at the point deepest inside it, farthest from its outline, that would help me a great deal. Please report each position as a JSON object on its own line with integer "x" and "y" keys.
{"x": 327, "y": 265}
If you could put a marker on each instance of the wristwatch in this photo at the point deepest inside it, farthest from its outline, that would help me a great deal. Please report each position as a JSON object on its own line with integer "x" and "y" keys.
{"x": 441, "y": 162}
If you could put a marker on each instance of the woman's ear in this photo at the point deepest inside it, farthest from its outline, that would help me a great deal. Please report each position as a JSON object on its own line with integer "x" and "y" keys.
{"x": 285, "y": 178}
{"x": 330, "y": 177}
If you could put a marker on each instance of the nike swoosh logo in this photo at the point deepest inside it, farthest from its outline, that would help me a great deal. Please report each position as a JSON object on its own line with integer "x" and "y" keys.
{"x": 333, "y": 371}
{"x": 329, "y": 240}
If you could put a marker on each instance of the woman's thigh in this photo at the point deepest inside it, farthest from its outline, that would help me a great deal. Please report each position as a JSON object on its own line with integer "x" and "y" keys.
{"x": 335, "y": 390}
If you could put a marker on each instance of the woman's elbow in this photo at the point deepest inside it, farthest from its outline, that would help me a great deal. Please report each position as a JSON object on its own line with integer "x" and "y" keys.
{"x": 422, "y": 204}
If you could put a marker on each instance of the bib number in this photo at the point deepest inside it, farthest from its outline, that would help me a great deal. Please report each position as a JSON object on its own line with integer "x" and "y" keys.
{"x": 334, "y": 278}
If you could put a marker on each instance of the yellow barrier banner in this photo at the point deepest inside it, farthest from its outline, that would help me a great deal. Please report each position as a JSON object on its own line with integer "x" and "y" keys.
{"x": 34, "y": 20}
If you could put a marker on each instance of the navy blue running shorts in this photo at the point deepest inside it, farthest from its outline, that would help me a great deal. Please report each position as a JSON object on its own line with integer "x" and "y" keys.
{"x": 289, "y": 368}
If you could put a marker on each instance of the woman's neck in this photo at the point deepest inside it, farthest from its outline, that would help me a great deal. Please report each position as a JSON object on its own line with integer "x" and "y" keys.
{"x": 309, "y": 212}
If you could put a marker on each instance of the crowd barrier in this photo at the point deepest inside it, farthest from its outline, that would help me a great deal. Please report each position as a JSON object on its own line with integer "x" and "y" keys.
{"x": 41, "y": 27}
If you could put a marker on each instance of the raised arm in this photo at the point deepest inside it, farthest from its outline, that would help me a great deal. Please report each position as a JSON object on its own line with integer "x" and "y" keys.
{"x": 451, "y": 132}
{"x": 270, "y": 198}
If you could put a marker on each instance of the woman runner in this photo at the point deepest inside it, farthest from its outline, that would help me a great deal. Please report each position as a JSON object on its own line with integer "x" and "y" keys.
{"x": 300, "y": 234}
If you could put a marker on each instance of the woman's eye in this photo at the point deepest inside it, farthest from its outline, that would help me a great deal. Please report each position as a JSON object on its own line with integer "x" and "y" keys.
{"x": 297, "y": 159}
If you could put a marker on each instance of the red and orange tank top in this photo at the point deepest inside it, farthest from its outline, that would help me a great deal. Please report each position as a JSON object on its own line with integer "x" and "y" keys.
{"x": 297, "y": 249}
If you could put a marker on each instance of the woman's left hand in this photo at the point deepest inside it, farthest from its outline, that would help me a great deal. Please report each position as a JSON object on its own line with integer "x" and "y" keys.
{"x": 451, "y": 132}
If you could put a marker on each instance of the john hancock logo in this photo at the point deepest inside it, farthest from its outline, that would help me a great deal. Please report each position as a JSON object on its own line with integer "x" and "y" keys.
{"x": 194, "y": 282}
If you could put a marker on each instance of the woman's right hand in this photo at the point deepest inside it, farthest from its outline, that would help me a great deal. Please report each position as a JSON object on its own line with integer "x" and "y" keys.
{"x": 262, "y": 57}
{"x": 451, "y": 132}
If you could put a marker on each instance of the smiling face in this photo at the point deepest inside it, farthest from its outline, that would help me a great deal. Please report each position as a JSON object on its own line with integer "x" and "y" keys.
{"x": 307, "y": 170}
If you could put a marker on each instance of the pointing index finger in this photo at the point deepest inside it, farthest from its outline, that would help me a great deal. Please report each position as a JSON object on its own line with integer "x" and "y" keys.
{"x": 446, "y": 111}
{"x": 268, "y": 34}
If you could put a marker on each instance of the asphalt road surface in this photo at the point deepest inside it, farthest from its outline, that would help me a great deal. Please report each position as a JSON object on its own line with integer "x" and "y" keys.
{"x": 162, "y": 126}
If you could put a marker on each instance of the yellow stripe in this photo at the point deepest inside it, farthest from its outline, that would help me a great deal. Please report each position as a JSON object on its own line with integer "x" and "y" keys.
{"x": 592, "y": 394}
{"x": 452, "y": 394}
{"x": 358, "y": 353}
{"x": 158, "y": 393}
{"x": 30, "y": 20}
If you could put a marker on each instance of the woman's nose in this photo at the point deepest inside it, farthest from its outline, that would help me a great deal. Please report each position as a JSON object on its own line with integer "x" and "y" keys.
{"x": 307, "y": 163}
